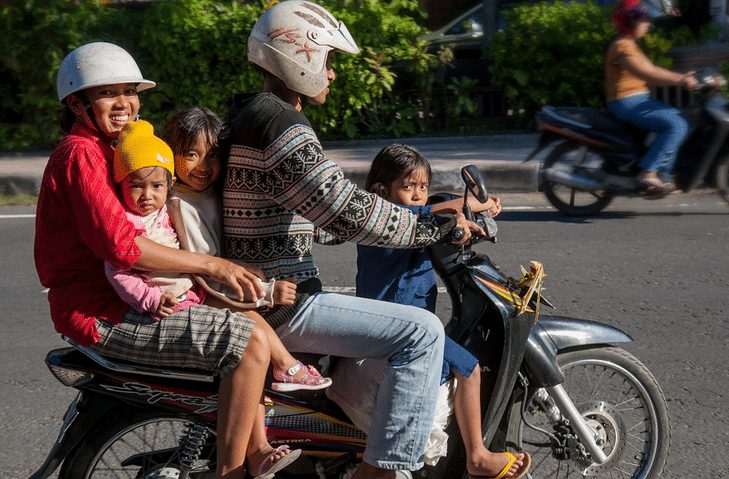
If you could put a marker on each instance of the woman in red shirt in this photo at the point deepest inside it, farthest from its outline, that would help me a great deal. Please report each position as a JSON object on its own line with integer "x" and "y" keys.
{"x": 80, "y": 223}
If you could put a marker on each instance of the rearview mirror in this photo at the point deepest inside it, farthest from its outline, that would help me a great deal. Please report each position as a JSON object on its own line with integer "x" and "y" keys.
{"x": 475, "y": 183}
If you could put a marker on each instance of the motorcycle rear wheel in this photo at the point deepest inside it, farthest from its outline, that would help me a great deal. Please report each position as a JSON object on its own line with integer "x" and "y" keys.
{"x": 124, "y": 447}
{"x": 572, "y": 201}
{"x": 621, "y": 402}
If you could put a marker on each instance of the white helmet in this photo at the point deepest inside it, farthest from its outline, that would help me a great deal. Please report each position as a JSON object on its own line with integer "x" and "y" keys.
{"x": 291, "y": 40}
{"x": 96, "y": 64}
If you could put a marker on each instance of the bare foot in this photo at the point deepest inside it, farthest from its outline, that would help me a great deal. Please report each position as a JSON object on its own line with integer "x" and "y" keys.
{"x": 271, "y": 460}
{"x": 489, "y": 464}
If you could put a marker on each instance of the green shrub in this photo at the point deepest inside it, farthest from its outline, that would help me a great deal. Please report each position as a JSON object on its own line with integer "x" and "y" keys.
{"x": 34, "y": 37}
{"x": 196, "y": 51}
{"x": 552, "y": 53}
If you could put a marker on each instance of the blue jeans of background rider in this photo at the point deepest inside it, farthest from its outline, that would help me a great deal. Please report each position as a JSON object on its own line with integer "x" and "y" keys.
{"x": 669, "y": 125}
{"x": 400, "y": 399}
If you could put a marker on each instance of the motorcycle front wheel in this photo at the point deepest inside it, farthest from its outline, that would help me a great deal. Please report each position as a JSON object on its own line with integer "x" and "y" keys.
{"x": 138, "y": 445}
{"x": 721, "y": 178}
{"x": 621, "y": 403}
{"x": 571, "y": 159}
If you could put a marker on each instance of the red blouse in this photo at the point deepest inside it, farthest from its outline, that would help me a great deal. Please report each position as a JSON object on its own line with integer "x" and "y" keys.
{"x": 80, "y": 223}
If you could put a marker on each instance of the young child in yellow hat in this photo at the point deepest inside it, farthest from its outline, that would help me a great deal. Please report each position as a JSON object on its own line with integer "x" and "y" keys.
{"x": 144, "y": 171}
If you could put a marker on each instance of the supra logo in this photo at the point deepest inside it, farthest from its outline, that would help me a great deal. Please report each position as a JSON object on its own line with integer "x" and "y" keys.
{"x": 203, "y": 404}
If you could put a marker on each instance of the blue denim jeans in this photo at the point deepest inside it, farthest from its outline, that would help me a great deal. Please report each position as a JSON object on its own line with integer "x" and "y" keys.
{"x": 670, "y": 127}
{"x": 399, "y": 398}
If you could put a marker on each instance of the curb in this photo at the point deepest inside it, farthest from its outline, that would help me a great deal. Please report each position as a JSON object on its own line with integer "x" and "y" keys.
{"x": 500, "y": 178}
{"x": 498, "y": 157}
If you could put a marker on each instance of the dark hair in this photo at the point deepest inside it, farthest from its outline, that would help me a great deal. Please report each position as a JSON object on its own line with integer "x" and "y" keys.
{"x": 182, "y": 129}
{"x": 395, "y": 161}
{"x": 66, "y": 118}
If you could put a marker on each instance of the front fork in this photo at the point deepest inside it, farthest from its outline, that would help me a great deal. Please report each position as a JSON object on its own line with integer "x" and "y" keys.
{"x": 557, "y": 405}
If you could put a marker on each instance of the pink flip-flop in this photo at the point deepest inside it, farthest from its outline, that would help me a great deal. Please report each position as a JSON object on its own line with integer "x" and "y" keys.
{"x": 268, "y": 468}
{"x": 310, "y": 379}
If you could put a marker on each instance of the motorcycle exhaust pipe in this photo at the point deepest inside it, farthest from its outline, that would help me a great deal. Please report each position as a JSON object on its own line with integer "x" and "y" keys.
{"x": 571, "y": 179}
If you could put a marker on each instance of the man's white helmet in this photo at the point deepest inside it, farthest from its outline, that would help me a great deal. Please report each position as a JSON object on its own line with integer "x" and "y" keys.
{"x": 96, "y": 64}
{"x": 291, "y": 40}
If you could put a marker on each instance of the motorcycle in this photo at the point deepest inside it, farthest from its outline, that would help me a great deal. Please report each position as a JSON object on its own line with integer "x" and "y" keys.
{"x": 597, "y": 154}
{"x": 556, "y": 387}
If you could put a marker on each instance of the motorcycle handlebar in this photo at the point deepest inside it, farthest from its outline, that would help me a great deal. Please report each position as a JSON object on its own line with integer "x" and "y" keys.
{"x": 485, "y": 221}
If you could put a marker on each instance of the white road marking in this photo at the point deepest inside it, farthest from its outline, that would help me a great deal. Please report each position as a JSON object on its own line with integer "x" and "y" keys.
{"x": 4, "y": 217}
{"x": 352, "y": 289}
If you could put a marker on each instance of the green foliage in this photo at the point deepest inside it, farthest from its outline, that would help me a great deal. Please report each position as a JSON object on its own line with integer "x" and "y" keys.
{"x": 461, "y": 89}
{"x": 561, "y": 48}
{"x": 360, "y": 103}
{"x": 35, "y": 35}
{"x": 196, "y": 52}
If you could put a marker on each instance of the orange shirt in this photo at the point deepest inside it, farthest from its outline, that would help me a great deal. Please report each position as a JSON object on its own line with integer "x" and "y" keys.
{"x": 619, "y": 82}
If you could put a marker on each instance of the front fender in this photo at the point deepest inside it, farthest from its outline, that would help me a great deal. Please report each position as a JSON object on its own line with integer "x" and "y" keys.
{"x": 553, "y": 334}
{"x": 84, "y": 412}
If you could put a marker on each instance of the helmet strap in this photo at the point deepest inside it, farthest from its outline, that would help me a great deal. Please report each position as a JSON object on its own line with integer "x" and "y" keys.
{"x": 89, "y": 109}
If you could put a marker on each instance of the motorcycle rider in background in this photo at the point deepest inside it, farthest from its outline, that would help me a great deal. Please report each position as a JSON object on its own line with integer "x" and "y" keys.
{"x": 628, "y": 74}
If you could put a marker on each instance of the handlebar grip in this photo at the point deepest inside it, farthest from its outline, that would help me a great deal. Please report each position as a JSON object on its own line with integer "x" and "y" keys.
{"x": 457, "y": 234}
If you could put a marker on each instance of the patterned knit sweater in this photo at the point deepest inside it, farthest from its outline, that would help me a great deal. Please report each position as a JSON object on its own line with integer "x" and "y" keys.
{"x": 279, "y": 187}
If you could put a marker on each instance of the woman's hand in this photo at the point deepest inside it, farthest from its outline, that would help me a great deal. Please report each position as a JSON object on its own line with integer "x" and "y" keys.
{"x": 242, "y": 280}
{"x": 284, "y": 292}
{"x": 689, "y": 81}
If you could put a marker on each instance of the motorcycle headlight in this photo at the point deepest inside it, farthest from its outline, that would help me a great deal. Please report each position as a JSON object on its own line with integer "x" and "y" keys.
{"x": 70, "y": 377}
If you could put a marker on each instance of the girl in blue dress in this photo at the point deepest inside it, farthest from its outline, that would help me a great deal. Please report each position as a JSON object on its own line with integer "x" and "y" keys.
{"x": 401, "y": 175}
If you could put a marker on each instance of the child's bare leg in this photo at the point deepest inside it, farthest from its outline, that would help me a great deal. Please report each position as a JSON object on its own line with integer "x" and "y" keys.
{"x": 280, "y": 356}
{"x": 238, "y": 401}
{"x": 481, "y": 461}
{"x": 259, "y": 448}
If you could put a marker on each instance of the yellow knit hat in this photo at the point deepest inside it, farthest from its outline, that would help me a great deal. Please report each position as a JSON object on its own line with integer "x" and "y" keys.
{"x": 138, "y": 148}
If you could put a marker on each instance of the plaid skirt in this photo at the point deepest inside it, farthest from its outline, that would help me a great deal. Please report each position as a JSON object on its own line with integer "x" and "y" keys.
{"x": 201, "y": 337}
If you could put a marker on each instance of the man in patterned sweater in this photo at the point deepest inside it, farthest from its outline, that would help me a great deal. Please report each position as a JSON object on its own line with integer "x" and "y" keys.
{"x": 281, "y": 193}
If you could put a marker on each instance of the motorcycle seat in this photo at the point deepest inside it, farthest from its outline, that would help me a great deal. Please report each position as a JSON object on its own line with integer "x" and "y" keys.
{"x": 127, "y": 367}
{"x": 598, "y": 124}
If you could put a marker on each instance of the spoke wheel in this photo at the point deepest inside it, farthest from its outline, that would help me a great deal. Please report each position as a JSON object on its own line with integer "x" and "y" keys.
{"x": 567, "y": 199}
{"x": 141, "y": 446}
{"x": 621, "y": 403}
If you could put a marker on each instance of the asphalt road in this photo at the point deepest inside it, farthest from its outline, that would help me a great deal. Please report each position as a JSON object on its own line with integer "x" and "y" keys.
{"x": 657, "y": 269}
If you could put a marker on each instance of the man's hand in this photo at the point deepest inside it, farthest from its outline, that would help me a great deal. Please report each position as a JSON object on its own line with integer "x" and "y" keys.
{"x": 166, "y": 304}
{"x": 284, "y": 292}
{"x": 468, "y": 227}
{"x": 240, "y": 279}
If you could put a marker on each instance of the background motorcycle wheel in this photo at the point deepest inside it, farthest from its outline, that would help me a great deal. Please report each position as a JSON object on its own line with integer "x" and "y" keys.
{"x": 572, "y": 201}
{"x": 721, "y": 178}
{"x": 122, "y": 447}
{"x": 621, "y": 401}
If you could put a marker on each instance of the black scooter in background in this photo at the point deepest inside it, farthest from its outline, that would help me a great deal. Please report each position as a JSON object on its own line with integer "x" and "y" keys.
{"x": 553, "y": 386}
{"x": 596, "y": 157}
